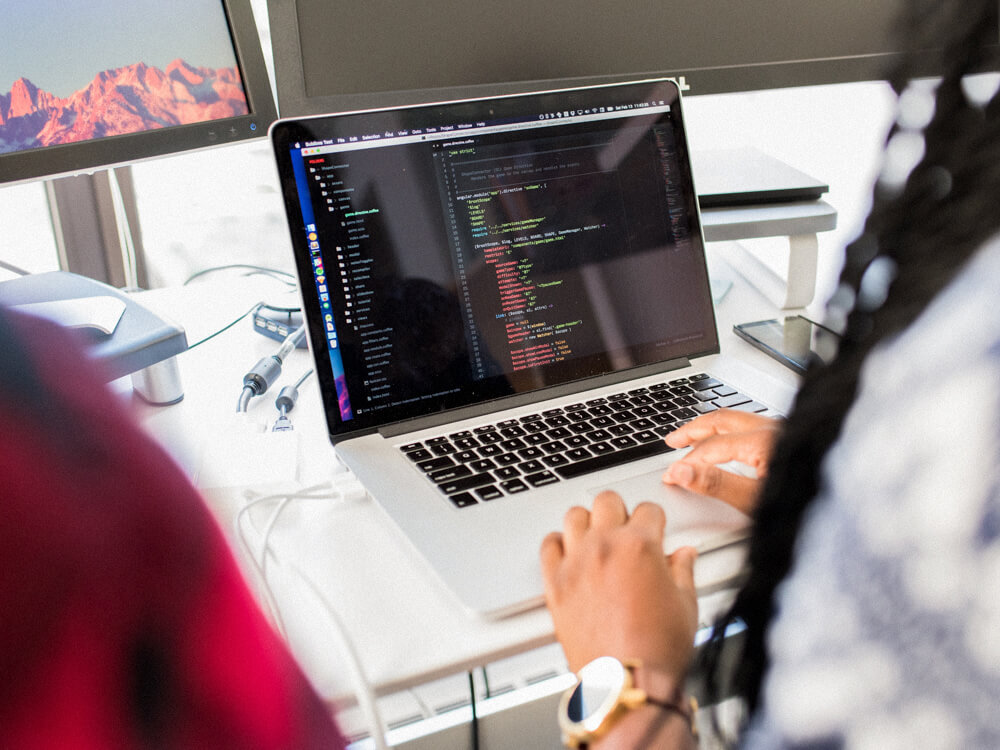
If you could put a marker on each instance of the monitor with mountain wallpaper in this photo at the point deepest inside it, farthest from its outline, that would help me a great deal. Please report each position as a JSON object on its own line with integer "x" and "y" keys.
{"x": 102, "y": 83}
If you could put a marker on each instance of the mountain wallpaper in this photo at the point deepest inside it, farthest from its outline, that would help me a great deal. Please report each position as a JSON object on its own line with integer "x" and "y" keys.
{"x": 119, "y": 101}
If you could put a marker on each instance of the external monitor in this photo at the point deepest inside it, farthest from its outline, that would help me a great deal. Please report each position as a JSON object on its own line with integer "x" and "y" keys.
{"x": 371, "y": 53}
{"x": 87, "y": 85}
{"x": 92, "y": 84}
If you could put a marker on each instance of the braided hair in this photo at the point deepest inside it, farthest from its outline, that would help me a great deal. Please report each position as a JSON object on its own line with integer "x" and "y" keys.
{"x": 922, "y": 228}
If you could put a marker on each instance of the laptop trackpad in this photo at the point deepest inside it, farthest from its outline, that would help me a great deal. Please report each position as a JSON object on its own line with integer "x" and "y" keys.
{"x": 692, "y": 520}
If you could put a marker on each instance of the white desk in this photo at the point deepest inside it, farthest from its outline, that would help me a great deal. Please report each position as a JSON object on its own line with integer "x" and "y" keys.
{"x": 406, "y": 627}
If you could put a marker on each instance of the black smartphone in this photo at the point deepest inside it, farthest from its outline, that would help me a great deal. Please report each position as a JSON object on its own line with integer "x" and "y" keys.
{"x": 795, "y": 341}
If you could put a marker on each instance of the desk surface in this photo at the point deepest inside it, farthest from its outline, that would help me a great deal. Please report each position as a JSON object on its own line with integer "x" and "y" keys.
{"x": 406, "y": 627}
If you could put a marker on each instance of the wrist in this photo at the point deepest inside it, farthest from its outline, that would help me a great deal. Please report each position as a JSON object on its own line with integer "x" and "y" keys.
{"x": 648, "y": 727}
{"x": 614, "y": 697}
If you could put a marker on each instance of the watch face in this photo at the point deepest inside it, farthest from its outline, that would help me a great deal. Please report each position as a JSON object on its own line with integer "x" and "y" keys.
{"x": 601, "y": 683}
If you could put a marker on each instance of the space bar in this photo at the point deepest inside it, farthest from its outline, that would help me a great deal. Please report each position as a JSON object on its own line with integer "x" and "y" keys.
{"x": 617, "y": 458}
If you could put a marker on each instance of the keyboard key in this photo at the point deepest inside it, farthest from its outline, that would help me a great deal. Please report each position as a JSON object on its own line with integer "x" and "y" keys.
{"x": 483, "y": 464}
{"x": 411, "y": 447}
{"x": 443, "y": 449}
{"x": 556, "y": 459}
{"x": 725, "y": 390}
{"x": 531, "y": 453}
{"x": 419, "y": 455}
{"x": 530, "y": 467}
{"x": 489, "y": 493}
{"x": 599, "y": 449}
{"x": 706, "y": 383}
{"x": 507, "y": 459}
{"x": 734, "y": 399}
{"x": 578, "y": 454}
{"x": 433, "y": 464}
{"x": 615, "y": 458}
{"x": 554, "y": 447}
{"x": 442, "y": 476}
{"x": 751, "y": 406}
{"x": 705, "y": 408}
{"x": 646, "y": 436}
{"x": 507, "y": 472}
{"x": 542, "y": 478}
{"x": 466, "y": 483}
{"x": 622, "y": 442}
{"x": 513, "y": 486}
{"x": 464, "y": 457}
{"x": 463, "y": 500}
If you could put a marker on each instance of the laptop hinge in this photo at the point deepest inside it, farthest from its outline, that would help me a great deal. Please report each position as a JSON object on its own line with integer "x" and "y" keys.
{"x": 523, "y": 399}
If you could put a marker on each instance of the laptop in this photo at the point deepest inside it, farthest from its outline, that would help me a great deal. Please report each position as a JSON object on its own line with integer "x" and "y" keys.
{"x": 505, "y": 300}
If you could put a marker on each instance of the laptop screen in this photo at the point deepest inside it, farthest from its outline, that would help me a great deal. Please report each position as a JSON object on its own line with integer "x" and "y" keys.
{"x": 455, "y": 254}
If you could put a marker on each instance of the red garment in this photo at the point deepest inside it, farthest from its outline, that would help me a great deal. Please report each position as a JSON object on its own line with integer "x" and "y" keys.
{"x": 124, "y": 621}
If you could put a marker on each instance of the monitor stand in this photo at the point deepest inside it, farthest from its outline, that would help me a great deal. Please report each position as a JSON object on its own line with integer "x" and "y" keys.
{"x": 123, "y": 336}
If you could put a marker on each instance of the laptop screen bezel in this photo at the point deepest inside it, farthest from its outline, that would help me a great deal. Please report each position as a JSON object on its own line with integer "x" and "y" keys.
{"x": 286, "y": 134}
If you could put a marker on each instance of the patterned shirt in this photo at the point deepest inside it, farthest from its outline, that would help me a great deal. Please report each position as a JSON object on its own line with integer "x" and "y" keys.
{"x": 888, "y": 635}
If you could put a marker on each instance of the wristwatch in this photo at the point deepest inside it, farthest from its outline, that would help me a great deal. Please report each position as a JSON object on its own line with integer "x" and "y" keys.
{"x": 605, "y": 691}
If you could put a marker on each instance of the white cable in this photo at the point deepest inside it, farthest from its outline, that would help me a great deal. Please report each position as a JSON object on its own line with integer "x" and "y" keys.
{"x": 322, "y": 491}
{"x": 362, "y": 686}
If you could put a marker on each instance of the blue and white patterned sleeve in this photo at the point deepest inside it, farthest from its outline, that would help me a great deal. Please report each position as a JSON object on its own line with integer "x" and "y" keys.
{"x": 888, "y": 633}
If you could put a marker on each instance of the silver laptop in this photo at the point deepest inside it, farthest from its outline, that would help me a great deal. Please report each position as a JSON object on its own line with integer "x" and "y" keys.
{"x": 504, "y": 300}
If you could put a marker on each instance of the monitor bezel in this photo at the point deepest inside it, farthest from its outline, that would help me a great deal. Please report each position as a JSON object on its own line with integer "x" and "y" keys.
{"x": 295, "y": 101}
{"x": 85, "y": 157}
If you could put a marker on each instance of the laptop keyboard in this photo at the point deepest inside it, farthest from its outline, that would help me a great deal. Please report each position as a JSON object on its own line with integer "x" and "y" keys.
{"x": 514, "y": 455}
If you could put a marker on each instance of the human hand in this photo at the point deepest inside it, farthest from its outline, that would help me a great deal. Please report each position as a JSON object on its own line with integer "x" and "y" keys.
{"x": 612, "y": 592}
{"x": 719, "y": 437}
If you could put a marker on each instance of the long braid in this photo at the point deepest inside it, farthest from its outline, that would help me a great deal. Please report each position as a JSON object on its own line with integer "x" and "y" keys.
{"x": 917, "y": 236}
